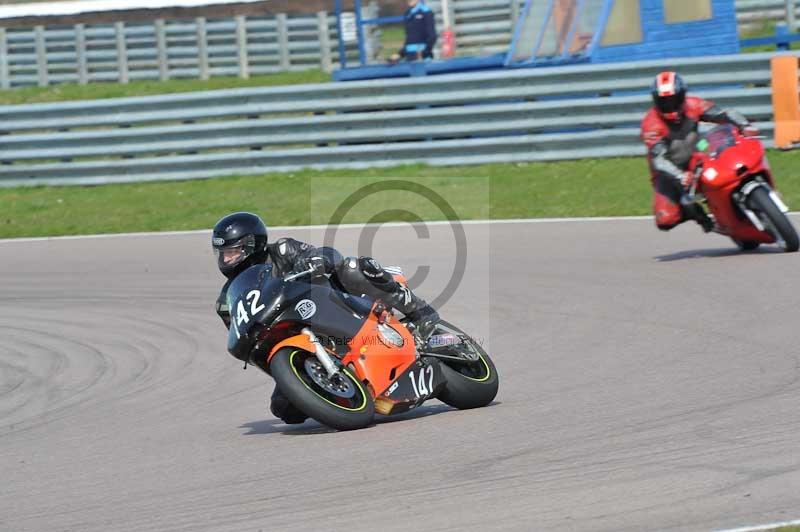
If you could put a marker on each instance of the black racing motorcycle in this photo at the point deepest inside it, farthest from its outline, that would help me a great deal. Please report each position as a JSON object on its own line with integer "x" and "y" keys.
{"x": 341, "y": 358}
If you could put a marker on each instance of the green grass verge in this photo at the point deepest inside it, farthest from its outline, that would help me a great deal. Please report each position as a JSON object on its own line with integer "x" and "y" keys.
{"x": 392, "y": 38}
{"x": 766, "y": 29}
{"x": 94, "y": 91}
{"x": 606, "y": 187}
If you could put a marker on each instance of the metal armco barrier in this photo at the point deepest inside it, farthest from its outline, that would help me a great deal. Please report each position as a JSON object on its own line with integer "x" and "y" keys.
{"x": 500, "y": 116}
{"x": 163, "y": 50}
{"x": 754, "y": 13}
{"x": 243, "y": 47}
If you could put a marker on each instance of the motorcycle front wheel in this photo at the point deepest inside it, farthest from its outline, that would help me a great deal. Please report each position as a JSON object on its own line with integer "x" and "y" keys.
{"x": 776, "y": 221}
{"x": 341, "y": 402}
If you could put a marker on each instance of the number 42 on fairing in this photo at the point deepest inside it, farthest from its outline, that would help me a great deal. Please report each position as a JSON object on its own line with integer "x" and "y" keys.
{"x": 252, "y": 298}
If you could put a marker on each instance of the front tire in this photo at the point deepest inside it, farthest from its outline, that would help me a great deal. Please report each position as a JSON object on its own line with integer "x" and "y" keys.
{"x": 468, "y": 385}
{"x": 297, "y": 373}
{"x": 775, "y": 221}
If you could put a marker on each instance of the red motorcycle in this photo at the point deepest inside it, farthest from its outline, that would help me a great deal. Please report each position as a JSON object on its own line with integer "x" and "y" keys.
{"x": 733, "y": 178}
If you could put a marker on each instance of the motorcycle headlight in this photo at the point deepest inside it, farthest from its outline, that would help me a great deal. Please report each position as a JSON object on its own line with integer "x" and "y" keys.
{"x": 389, "y": 336}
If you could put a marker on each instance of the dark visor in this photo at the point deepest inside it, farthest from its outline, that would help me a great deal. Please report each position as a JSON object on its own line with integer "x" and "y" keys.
{"x": 670, "y": 104}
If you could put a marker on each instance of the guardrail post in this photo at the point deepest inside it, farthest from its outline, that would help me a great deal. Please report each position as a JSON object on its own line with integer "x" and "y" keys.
{"x": 283, "y": 41}
{"x": 325, "y": 56}
{"x": 41, "y": 56}
{"x": 122, "y": 53}
{"x": 161, "y": 44}
{"x": 241, "y": 45}
{"x": 80, "y": 54}
{"x": 202, "y": 48}
{"x": 5, "y": 80}
{"x": 372, "y": 38}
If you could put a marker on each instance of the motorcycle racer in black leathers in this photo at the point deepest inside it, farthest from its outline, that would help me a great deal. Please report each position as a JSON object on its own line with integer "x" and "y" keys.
{"x": 240, "y": 240}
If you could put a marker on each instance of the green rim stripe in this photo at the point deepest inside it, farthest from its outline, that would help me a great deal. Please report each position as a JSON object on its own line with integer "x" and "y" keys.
{"x": 488, "y": 371}
{"x": 353, "y": 379}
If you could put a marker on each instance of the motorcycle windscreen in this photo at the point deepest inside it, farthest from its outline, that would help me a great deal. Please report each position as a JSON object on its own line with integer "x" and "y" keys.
{"x": 716, "y": 141}
{"x": 251, "y": 296}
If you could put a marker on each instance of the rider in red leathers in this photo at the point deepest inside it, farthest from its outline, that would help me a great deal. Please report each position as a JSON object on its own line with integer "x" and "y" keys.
{"x": 669, "y": 130}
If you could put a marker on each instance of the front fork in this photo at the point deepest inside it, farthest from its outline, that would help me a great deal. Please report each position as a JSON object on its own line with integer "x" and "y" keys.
{"x": 741, "y": 195}
{"x": 322, "y": 355}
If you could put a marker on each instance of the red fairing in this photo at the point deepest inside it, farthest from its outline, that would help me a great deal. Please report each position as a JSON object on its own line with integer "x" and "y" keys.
{"x": 748, "y": 153}
{"x": 720, "y": 178}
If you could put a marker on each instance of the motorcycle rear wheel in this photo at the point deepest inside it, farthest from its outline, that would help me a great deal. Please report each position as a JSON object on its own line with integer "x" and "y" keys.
{"x": 469, "y": 385}
{"x": 776, "y": 221}
{"x": 290, "y": 369}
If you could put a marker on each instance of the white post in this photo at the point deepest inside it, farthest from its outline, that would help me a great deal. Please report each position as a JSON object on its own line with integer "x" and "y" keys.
{"x": 122, "y": 53}
{"x": 41, "y": 56}
{"x": 241, "y": 44}
{"x": 446, "y": 20}
{"x": 325, "y": 59}
{"x": 5, "y": 81}
{"x": 80, "y": 53}
{"x": 448, "y": 45}
{"x": 790, "y": 20}
{"x": 202, "y": 49}
{"x": 161, "y": 43}
{"x": 283, "y": 41}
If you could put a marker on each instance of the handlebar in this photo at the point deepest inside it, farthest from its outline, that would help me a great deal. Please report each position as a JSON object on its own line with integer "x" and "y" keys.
{"x": 294, "y": 276}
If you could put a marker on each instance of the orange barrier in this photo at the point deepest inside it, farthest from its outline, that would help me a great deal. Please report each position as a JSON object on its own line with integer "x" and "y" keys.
{"x": 786, "y": 101}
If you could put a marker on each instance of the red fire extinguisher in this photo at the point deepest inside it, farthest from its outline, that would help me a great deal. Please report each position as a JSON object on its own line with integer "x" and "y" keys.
{"x": 448, "y": 43}
{"x": 448, "y": 36}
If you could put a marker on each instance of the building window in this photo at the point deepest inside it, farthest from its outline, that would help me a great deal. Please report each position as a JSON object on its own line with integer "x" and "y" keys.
{"x": 624, "y": 25}
{"x": 686, "y": 10}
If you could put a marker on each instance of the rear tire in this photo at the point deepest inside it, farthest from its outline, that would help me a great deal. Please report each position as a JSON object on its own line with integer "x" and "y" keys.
{"x": 289, "y": 369}
{"x": 469, "y": 386}
{"x": 775, "y": 221}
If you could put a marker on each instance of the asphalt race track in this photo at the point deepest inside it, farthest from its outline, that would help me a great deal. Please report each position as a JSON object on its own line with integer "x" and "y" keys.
{"x": 649, "y": 381}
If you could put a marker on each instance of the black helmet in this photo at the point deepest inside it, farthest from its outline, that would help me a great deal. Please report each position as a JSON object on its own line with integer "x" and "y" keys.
{"x": 669, "y": 94}
{"x": 239, "y": 241}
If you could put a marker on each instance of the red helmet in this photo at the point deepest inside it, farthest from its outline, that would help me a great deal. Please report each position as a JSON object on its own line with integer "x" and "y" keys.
{"x": 669, "y": 94}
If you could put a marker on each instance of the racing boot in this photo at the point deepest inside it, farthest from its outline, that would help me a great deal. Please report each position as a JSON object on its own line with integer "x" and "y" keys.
{"x": 284, "y": 410}
{"x": 705, "y": 221}
{"x": 423, "y": 316}
{"x": 693, "y": 211}
{"x": 397, "y": 295}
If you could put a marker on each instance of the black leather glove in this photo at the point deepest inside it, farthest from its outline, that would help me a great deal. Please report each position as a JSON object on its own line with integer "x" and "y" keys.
{"x": 312, "y": 263}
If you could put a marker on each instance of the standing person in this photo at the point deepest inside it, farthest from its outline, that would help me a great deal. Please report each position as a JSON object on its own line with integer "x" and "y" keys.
{"x": 669, "y": 130}
{"x": 420, "y": 28}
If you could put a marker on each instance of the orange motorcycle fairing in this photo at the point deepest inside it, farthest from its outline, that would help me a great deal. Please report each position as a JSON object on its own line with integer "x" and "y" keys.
{"x": 400, "y": 278}
{"x": 381, "y": 351}
{"x": 300, "y": 341}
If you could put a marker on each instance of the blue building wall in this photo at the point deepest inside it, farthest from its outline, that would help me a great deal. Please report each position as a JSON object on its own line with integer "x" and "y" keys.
{"x": 719, "y": 35}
